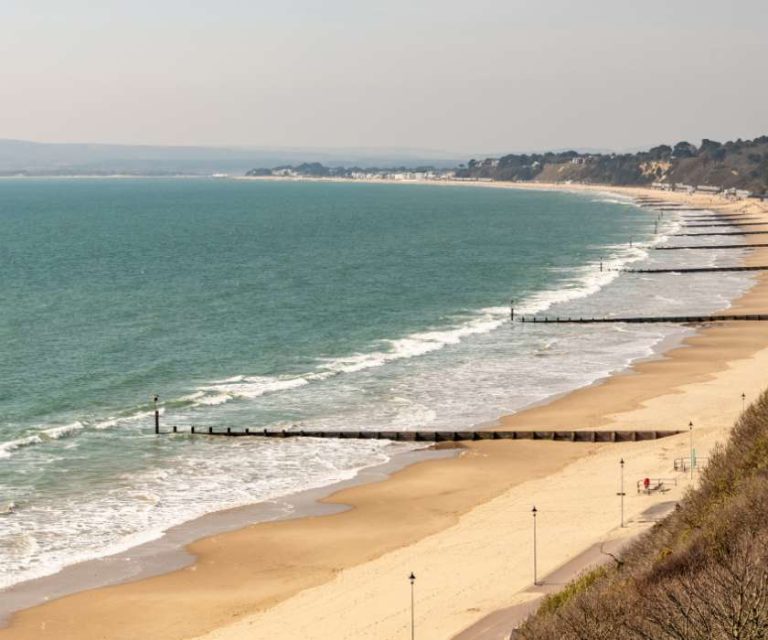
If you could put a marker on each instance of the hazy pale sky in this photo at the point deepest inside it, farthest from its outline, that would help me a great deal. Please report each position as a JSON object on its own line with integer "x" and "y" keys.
{"x": 467, "y": 77}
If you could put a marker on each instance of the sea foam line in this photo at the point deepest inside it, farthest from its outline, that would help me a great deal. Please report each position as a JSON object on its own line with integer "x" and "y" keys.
{"x": 587, "y": 280}
{"x": 43, "y": 435}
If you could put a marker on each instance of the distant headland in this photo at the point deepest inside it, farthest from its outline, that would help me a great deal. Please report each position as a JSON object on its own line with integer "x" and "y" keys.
{"x": 739, "y": 167}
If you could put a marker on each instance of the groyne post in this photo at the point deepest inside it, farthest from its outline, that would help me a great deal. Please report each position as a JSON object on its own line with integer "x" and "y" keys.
{"x": 157, "y": 416}
{"x": 512, "y": 309}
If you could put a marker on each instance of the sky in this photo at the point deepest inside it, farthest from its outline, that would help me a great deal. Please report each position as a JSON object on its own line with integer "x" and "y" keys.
{"x": 466, "y": 77}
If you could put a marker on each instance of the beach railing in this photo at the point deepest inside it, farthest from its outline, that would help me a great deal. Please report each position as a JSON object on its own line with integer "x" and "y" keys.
{"x": 649, "y": 486}
{"x": 684, "y": 464}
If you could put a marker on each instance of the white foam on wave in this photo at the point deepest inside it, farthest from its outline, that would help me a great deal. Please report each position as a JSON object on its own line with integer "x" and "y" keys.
{"x": 43, "y": 435}
{"x": 419, "y": 343}
{"x": 148, "y": 503}
{"x": 49, "y": 434}
{"x": 246, "y": 387}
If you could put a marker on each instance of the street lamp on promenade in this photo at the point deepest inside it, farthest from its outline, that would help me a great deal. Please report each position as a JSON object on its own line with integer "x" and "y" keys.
{"x": 621, "y": 491}
{"x": 412, "y": 580}
{"x": 534, "y": 511}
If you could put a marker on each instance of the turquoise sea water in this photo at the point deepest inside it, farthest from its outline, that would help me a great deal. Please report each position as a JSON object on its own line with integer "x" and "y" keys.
{"x": 278, "y": 304}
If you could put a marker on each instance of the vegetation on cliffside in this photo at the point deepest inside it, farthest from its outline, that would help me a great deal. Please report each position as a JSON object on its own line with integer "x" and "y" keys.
{"x": 742, "y": 164}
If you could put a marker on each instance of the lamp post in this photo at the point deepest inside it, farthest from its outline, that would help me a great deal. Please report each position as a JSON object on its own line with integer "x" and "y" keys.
{"x": 690, "y": 429}
{"x": 534, "y": 511}
{"x": 412, "y": 580}
{"x": 621, "y": 491}
{"x": 157, "y": 416}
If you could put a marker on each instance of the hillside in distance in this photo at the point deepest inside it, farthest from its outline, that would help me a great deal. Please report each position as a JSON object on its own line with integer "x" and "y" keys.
{"x": 741, "y": 164}
{"x": 20, "y": 157}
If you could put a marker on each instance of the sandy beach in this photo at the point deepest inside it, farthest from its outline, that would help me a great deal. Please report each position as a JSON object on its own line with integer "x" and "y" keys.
{"x": 463, "y": 525}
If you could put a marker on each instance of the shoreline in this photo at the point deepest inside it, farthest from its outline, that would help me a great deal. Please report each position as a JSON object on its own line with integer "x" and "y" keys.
{"x": 616, "y": 399}
{"x": 169, "y": 553}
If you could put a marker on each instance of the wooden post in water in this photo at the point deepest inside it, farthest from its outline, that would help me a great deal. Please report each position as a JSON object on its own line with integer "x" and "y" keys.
{"x": 512, "y": 310}
{"x": 157, "y": 417}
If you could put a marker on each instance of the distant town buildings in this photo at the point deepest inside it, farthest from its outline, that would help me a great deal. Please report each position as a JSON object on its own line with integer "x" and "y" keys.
{"x": 319, "y": 171}
{"x": 735, "y": 194}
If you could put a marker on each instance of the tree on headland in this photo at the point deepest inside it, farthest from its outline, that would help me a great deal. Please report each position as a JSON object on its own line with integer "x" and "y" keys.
{"x": 684, "y": 150}
{"x": 661, "y": 152}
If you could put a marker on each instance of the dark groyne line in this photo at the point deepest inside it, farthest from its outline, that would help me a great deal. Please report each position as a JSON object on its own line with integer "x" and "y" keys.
{"x": 433, "y": 436}
{"x": 696, "y": 269}
{"x": 751, "y": 317}
{"x": 713, "y": 246}
{"x": 721, "y": 218}
{"x": 724, "y": 233}
{"x": 726, "y": 224}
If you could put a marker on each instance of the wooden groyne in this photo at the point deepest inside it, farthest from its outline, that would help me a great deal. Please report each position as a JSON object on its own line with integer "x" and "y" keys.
{"x": 722, "y": 233}
{"x": 749, "y": 317}
{"x": 697, "y": 269}
{"x": 713, "y": 246}
{"x": 734, "y": 219}
{"x": 726, "y": 224}
{"x": 557, "y": 435}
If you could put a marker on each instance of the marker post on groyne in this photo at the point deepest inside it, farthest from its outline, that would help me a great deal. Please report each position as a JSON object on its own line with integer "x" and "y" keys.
{"x": 157, "y": 416}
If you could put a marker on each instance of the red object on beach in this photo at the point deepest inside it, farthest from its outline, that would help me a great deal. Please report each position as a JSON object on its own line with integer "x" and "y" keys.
{"x": 646, "y": 483}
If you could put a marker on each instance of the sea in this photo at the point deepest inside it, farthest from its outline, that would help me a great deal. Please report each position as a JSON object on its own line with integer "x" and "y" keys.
{"x": 291, "y": 305}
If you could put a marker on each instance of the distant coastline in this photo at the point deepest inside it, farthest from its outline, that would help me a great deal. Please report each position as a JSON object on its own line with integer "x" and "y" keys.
{"x": 737, "y": 168}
